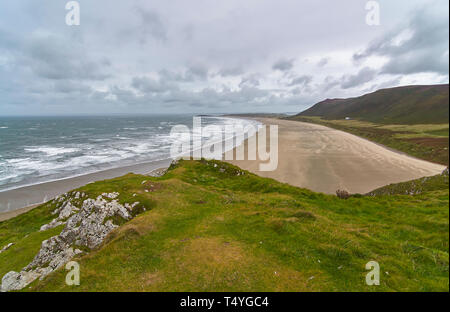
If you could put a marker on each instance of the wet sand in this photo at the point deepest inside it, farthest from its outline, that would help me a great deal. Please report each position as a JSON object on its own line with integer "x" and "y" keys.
{"x": 310, "y": 156}
{"x": 324, "y": 160}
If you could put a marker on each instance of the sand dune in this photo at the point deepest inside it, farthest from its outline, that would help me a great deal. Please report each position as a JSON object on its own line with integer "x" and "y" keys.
{"x": 324, "y": 160}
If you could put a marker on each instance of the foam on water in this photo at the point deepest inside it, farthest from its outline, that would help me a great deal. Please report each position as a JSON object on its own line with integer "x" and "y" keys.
{"x": 36, "y": 150}
{"x": 52, "y": 151}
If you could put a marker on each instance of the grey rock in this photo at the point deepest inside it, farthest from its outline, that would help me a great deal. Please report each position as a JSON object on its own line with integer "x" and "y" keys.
{"x": 111, "y": 195}
{"x": 64, "y": 212}
{"x": 51, "y": 225}
{"x": 158, "y": 172}
{"x": 85, "y": 227}
{"x": 16, "y": 281}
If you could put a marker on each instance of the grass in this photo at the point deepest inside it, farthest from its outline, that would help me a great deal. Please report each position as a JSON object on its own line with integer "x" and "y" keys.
{"x": 417, "y": 186}
{"x": 407, "y": 105}
{"x": 424, "y": 141}
{"x": 209, "y": 229}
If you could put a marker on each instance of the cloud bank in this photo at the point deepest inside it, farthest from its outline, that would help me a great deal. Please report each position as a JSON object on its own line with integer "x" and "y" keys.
{"x": 203, "y": 57}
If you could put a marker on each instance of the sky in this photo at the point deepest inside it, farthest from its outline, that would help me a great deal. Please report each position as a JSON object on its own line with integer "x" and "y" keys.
{"x": 213, "y": 56}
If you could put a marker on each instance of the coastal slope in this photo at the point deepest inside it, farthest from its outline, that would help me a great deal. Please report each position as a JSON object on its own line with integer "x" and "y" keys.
{"x": 400, "y": 105}
{"x": 211, "y": 226}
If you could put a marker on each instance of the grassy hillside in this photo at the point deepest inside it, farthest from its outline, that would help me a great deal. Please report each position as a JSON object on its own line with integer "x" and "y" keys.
{"x": 401, "y": 105}
{"x": 414, "y": 187}
{"x": 212, "y": 227}
{"x": 424, "y": 141}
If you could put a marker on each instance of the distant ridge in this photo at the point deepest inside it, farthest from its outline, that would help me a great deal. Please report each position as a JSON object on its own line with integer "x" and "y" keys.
{"x": 400, "y": 105}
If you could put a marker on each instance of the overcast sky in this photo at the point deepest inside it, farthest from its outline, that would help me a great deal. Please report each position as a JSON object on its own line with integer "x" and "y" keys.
{"x": 206, "y": 56}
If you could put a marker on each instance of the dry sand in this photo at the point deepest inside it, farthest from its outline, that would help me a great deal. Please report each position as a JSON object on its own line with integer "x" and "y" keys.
{"x": 324, "y": 160}
{"x": 14, "y": 213}
{"x": 13, "y": 201}
{"x": 310, "y": 156}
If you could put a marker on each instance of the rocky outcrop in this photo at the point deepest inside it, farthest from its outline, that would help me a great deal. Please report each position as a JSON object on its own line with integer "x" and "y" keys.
{"x": 85, "y": 229}
{"x": 158, "y": 172}
{"x": 414, "y": 187}
{"x": 64, "y": 212}
{"x": 14, "y": 281}
{"x": 342, "y": 194}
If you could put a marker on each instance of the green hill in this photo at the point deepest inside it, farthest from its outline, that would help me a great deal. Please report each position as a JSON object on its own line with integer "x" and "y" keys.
{"x": 401, "y": 105}
{"x": 414, "y": 187}
{"x": 210, "y": 226}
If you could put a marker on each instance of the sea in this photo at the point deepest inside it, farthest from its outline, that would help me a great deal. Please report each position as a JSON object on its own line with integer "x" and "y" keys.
{"x": 41, "y": 149}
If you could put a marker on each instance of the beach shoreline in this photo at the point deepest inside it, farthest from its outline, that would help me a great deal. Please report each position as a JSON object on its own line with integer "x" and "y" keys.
{"x": 22, "y": 197}
{"x": 324, "y": 159}
{"x": 310, "y": 156}
{"x": 36, "y": 194}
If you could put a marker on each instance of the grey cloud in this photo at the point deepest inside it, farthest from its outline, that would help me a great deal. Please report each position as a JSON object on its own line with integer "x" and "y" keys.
{"x": 151, "y": 26}
{"x": 196, "y": 71}
{"x": 53, "y": 57}
{"x": 366, "y": 74}
{"x": 329, "y": 83}
{"x": 65, "y": 86}
{"x": 188, "y": 32}
{"x": 425, "y": 50}
{"x": 231, "y": 71}
{"x": 125, "y": 96}
{"x": 149, "y": 85}
{"x": 191, "y": 73}
{"x": 156, "y": 58}
{"x": 7, "y": 41}
{"x": 226, "y": 97}
{"x": 171, "y": 75}
{"x": 323, "y": 61}
{"x": 387, "y": 84}
{"x": 249, "y": 81}
{"x": 301, "y": 80}
{"x": 283, "y": 65}
{"x": 207, "y": 97}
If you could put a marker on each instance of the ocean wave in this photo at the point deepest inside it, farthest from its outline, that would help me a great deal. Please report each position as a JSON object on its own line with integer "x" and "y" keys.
{"x": 98, "y": 150}
{"x": 139, "y": 148}
{"x": 27, "y": 165}
{"x": 99, "y": 140}
{"x": 8, "y": 177}
{"x": 16, "y": 160}
{"x": 52, "y": 151}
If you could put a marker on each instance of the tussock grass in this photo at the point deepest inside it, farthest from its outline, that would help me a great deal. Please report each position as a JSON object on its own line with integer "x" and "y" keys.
{"x": 206, "y": 228}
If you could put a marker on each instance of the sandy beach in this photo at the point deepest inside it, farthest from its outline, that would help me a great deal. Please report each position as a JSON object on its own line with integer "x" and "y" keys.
{"x": 12, "y": 202}
{"x": 310, "y": 156}
{"x": 324, "y": 160}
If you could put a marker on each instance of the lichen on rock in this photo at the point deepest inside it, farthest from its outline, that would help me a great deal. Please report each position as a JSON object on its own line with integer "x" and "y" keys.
{"x": 85, "y": 227}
